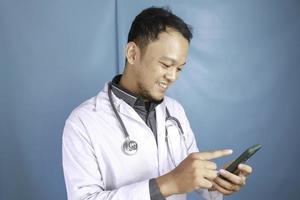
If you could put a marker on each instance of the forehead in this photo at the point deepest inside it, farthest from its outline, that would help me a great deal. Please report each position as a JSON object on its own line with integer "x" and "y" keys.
{"x": 170, "y": 44}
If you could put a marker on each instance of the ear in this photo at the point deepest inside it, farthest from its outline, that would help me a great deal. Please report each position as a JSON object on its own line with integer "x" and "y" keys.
{"x": 132, "y": 52}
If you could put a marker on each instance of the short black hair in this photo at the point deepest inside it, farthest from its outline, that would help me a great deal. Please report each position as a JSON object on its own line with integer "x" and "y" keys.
{"x": 152, "y": 21}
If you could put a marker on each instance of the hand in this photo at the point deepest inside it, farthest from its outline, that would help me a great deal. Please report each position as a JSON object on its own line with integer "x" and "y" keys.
{"x": 194, "y": 172}
{"x": 233, "y": 182}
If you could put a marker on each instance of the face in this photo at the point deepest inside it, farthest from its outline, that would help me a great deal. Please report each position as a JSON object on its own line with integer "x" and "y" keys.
{"x": 160, "y": 65}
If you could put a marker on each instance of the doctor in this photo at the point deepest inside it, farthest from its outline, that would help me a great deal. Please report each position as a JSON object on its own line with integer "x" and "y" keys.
{"x": 130, "y": 142}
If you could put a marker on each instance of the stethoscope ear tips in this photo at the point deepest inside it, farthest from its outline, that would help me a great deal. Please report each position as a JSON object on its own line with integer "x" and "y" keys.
{"x": 130, "y": 147}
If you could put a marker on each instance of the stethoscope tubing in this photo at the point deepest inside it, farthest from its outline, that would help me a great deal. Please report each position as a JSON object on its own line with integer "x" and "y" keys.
{"x": 127, "y": 145}
{"x": 116, "y": 112}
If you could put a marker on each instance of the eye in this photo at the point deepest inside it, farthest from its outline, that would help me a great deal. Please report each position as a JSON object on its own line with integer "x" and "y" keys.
{"x": 165, "y": 65}
{"x": 179, "y": 69}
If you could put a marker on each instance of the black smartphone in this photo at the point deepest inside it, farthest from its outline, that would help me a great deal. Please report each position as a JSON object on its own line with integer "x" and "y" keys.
{"x": 243, "y": 158}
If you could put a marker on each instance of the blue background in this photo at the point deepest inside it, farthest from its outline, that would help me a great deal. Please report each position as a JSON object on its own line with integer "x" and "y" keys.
{"x": 240, "y": 86}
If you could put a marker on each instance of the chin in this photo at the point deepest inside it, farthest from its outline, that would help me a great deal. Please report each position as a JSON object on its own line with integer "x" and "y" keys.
{"x": 152, "y": 96}
{"x": 157, "y": 97}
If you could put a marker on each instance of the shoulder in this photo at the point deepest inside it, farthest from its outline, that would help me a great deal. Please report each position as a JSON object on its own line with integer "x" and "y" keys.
{"x": 173, "y": 105}
{"x": 91, "y": 107}
{"x": 170, "y": 102}
{"x": 88, "y": 108}
{"x": 82, "y": 111}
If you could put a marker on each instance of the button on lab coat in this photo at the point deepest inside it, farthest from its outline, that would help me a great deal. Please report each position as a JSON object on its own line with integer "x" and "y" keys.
{"x": 95, "y": 166}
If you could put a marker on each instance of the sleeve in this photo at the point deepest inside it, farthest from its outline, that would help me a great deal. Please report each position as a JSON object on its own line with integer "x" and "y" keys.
{"x": 192, "y": 147}
{"x": 155, "y": 193}
{"x": 82, "y": 174}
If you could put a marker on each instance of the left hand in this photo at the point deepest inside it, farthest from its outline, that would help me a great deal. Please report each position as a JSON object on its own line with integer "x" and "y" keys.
{"x": 233, "y": 182}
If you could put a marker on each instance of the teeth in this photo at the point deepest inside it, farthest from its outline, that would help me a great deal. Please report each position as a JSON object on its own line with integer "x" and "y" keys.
{"x": 163, "y": 85}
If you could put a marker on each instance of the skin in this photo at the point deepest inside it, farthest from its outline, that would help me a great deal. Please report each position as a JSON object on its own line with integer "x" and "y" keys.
{"x": 234, "y": 182}
{"x": 161, "y": 62}
{"x": 149, "y": 75}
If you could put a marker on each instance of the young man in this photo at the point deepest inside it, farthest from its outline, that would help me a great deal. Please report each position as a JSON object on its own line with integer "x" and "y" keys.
{"x": 132, "y": 142}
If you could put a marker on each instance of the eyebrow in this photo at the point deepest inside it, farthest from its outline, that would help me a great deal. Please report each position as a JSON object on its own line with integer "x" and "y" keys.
{"x": 171, "y": 59}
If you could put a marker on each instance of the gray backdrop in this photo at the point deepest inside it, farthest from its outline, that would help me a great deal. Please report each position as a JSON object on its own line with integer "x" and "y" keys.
{"x": 240, "y": 86}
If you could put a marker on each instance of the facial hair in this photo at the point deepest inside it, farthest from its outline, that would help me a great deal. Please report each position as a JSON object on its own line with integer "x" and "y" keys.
{"x": 145, "y": 94}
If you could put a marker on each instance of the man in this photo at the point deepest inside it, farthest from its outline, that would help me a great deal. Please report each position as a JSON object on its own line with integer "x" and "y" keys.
{"x": 119, "y": 144}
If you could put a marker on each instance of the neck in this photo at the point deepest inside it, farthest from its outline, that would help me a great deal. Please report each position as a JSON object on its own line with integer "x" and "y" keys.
{"x": 128, "y": 83}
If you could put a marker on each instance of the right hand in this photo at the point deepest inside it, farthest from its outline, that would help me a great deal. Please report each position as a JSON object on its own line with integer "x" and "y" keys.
{"x": 194, "y": 172}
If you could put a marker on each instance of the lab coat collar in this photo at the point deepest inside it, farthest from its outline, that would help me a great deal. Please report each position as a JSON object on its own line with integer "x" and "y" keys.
{"x": 129, "y": 111}
{"x": 122, "y": 93}
{"x": 123, "y": 108}
{"x": 129, "y": 97}
{"x": 103, "y": 99}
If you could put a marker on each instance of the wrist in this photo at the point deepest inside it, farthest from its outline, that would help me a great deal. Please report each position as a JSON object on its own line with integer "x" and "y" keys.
{"x": 167, "y": 185}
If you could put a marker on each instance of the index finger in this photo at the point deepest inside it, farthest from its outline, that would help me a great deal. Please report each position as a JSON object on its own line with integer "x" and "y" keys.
{"x": 208, "y": 155}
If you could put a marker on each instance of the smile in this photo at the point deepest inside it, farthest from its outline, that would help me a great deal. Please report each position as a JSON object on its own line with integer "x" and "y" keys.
{"x": 163, "y": 85}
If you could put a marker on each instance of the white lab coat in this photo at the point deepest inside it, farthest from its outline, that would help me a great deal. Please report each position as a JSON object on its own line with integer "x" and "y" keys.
{"x": 95, "y": 167}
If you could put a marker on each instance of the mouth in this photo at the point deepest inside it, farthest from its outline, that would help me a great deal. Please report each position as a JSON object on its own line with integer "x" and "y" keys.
{"x": 163, "y": 86}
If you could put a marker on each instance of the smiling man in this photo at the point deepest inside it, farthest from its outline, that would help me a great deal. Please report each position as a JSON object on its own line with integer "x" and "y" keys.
{"x": 133, "y": 142}
{"x": 150, "y": 71}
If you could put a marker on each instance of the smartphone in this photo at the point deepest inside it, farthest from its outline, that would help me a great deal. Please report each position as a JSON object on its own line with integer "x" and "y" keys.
{"x": 243, "y": 158}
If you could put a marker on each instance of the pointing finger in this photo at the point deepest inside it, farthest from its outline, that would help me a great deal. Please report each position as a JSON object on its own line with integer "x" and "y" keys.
{"x": 211, "y": 154}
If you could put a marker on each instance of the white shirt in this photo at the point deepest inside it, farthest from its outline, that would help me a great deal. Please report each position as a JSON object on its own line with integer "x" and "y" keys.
{"x": 95, "y": 167}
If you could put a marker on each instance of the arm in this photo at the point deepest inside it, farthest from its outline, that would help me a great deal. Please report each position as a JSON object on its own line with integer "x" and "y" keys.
{"x": 197, "y": 167}
{"x": 220, "y": 186}
{"x": 83, "y": 176}
{"x": 195, "y": 172}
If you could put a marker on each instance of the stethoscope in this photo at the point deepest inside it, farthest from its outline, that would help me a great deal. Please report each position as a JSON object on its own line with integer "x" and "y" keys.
{"x": 130, "y": 147}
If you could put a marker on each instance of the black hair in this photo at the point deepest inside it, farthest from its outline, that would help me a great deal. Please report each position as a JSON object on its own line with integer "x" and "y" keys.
{"x": 152, "y": 21}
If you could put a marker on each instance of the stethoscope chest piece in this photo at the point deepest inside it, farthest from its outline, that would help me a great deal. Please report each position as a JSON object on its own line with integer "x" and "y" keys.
{"x": 130, "y": 147}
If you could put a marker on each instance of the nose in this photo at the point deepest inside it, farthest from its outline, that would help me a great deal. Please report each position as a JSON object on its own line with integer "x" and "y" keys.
{"x": 171, "y": 74}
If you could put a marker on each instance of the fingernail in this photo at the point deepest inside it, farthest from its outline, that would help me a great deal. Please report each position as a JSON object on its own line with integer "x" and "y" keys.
{"x": 229, "y": 150}
{"x": 222, "y": 171}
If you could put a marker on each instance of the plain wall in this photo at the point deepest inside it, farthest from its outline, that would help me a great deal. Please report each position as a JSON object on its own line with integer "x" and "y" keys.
{"x": 240, "y": 85}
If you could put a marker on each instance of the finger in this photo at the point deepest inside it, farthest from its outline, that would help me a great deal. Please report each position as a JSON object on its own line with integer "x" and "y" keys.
{"x": 210, "y": 174}
{"x": 227, "y": 185}
{"x": 238, "y": 180}
{"x": 221, "y": 189}
{"x": 244, "y": 169}
{"x": 203, "y": 183}
{"x": 211, "y": 154}
{"x": 211, "y": 165}
{"x": 206, "y": 164}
